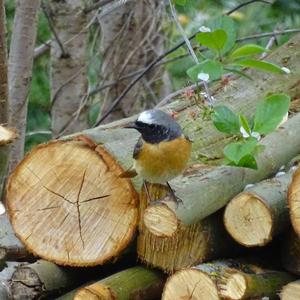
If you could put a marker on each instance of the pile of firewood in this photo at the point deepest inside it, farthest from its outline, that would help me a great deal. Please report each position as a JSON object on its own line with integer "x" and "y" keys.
{"x": 234, "y": 236}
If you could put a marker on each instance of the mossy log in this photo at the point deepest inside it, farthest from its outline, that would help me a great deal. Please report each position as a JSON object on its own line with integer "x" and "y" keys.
{"x": 238, "y": 285}
{"x": 202, "y": 281}
{"x": 68, "y": 205}
{"x": 290, "y": 252}
{"x": 260, "y": 212}
{"x": 131, "y": 284}
{"x": 11, "y": 249}
{"x": 38, "y": 192}
{"x": 291, "y": 291}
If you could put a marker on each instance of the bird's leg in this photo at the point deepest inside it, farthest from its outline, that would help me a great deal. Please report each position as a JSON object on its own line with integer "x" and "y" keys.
{"x": 147, "y": 191}
{"x": 175, "y": 198}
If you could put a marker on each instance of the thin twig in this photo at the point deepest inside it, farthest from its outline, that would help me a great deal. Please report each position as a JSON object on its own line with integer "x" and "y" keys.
{"x": 43, "y": 132}
{"x": 41, "y": 49}
{"x": 246, "y": 3}
{"x": 52, "y": 27}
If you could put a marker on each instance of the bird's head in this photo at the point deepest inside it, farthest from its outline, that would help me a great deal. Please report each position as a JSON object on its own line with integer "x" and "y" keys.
{"x": 156, "y": 126}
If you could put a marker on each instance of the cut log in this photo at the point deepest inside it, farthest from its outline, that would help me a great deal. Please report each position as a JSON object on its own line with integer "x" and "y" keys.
{"x": 5, "y": 279}
{"x": 10, "y": 247}
{"x": 238, "y": 285}
{"x": 131, "y": 284}
{"x": 191, "y": 245}
{"x": 68, "y": 205}
{"x": 294, "y": 201}
{"x": 7, "y": 135}
{"x": 290, "y": 252}
{"x": 291, "y": 291}
{"x": 202, "y": 195}
{"x": 256, "y": 215}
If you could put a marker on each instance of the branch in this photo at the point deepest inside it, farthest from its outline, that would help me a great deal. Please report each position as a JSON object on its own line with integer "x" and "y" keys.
{"x": 96, "y": 5}
{"x": 247, "y": 3}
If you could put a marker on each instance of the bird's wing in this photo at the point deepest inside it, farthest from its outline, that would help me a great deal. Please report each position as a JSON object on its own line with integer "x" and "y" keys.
{"x": 137, "y": 148}
{"x": 131, "y": 172}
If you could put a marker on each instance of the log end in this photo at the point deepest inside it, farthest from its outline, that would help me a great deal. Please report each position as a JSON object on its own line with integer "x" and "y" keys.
{"x": 95, "y": 292}
{"x": 294, "y": 201}
{"x": 249, "y": 220}
{"x": 190, "y": 284}
{"x": 234, "y": 286}
{"x": 160, "y": 220}
{"x": 68, "y": 205}
{"x": 291, "y": 291}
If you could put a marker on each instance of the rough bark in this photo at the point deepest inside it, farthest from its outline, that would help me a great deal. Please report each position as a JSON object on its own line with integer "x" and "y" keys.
{"x": 131, "y": 284}
{"x": 5, "y": 278}
{"x": 59, "y": 212}
{"x": 3, "y": 94}
{"x": 131, "y": 38}
{"x": 256, "y": 215}
{"x": 291, "y": 291}
{"x": 20, "y": 71}
{"x": 68, "y": 67}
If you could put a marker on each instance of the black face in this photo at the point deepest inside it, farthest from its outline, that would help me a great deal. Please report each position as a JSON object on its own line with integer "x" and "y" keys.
{"x": 154, "y": 133}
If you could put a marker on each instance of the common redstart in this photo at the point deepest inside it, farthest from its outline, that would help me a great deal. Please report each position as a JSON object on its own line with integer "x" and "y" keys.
{"x": 162, "y": 151}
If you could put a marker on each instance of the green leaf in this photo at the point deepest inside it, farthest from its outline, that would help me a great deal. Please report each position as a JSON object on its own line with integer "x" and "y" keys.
{"x": 244, "y": 123}
{"x": 180, "y": 2}
{"x": 238, "y": 72}
{"x": 236, "y": 151}
{"x": 213, "y": 40}
{"x": 248, "y": 161}
{"x": 212, "y": 67}
{"x": 270, "y": 112}
{"x": 260, "y": 65}
{"x": 225, "y": 120}
{"x": 227, "y": 24}
{"x": 246, "y": 50}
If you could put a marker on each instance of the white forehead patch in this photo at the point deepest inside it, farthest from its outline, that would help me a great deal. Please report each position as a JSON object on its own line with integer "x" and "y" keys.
{"x": 146, "y": 117}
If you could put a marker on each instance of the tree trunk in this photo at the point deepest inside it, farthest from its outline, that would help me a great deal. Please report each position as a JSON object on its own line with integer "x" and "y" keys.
{"x": 131, "y": 38}
{"x": 256, "y": 215}
{"x": 20, "y": 71}
{"x": 69, "y": 82}
{"x": 131, "y": 284}
{"x": 3, "y": 95}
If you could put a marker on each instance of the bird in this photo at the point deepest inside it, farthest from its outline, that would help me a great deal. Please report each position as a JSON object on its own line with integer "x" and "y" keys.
{"x": 162, "y": 151}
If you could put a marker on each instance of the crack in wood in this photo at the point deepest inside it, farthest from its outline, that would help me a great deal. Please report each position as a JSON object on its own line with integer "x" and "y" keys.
{"x": 63, "y": 220}
{"x": 94, "y": 198}
{"x": 78, "y": 209}
{"x": 46, "y": 208}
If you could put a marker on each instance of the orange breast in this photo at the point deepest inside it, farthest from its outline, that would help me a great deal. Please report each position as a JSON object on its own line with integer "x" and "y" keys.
{"x": 158, "y": 163}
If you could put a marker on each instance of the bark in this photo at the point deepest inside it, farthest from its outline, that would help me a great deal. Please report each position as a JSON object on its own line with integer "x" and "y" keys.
{"x": 20, "y": 71}
{"x": 256, "y": 215}
{"x": 3, "y": 94}
{"x": 131, "y": 284}
{"x": 131, "y": 38}
{"x": 10, "y": 247}
{"x": 291, "y": 291}
{"x": 69, "y": 82}
{"x": 61, "y": 205}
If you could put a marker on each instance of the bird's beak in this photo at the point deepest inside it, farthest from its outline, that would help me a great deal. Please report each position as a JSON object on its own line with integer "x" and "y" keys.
{"x": 131, "y": 125}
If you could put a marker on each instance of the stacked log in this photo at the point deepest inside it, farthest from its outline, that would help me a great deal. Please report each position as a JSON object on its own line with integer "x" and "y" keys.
{"x": 68, "y": 204}
{"x": 291, "y": 291}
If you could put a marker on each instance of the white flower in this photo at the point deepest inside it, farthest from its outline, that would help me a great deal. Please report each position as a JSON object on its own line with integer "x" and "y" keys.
{"x": 286, "y": 70}
{"x": 203, "y": 76}
{"x": 246, "y": 135}
{"x": 2, "y": 209}
{"x": 204, "y": 29}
